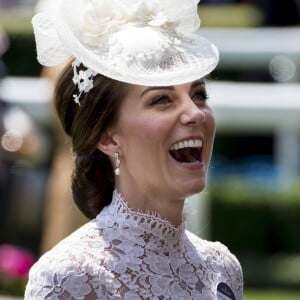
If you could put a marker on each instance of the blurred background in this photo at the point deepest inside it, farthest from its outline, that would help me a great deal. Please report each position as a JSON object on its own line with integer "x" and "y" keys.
{"x": 252, "y": 202}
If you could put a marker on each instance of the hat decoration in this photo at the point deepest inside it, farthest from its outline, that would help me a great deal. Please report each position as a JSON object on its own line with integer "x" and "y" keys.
{"x": 83, "y": 79}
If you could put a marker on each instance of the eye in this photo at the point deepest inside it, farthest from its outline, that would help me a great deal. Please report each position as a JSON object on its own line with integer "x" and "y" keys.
{"x": 160, "y": 100}
{"x": 200, "y": 96}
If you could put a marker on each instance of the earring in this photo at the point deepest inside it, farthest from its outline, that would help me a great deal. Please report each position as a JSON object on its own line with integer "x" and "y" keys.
{"x": 118, "y": 162}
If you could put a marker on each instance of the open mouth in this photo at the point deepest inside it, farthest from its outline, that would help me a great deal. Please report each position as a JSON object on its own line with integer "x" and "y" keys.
{"x": 189, "y": 151}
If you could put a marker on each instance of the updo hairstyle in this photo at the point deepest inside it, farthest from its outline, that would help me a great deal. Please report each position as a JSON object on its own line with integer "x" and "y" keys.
{"x": 93, "y": 177}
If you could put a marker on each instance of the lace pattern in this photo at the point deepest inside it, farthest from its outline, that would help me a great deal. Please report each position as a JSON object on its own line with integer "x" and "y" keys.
{"x": 124, "y": 254}
{"x": 147, "y": 229}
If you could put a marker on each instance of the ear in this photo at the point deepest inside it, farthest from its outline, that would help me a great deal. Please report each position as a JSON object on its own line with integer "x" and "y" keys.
{"x": 107, "y": 144}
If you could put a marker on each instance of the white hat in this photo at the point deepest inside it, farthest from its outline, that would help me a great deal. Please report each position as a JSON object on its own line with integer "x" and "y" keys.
{"x": 146, "y": 42}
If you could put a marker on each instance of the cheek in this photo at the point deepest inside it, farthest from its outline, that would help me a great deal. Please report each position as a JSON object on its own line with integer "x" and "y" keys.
{"x": 143, "y": 141}
{"x": 210, "y": 123}
{"x": 134, "y": 137}
{"x": 146, "y": 128}
{"x": 210, "y": 132}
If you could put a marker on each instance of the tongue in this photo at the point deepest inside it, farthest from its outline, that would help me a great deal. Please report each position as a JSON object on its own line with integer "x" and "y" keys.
{"x": 187, "y": 155}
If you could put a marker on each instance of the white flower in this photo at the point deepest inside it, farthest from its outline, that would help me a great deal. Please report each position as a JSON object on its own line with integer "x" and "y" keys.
{"x": 158, "y": 264}
{"x": 187, "y": 273}
{"x": 177, "y": 292}
{"x": 71, "y": 283}
{"x": 132, "y": 296}
{"x": 160, "y": 285}
{"x": 99, "y": 18}
{"x": 83, "y": 80}
{"x": 149, "y": 12}
{"x": 106, "y": 284}
{"x": 76, "y": 99}
{"x": 105, "y": 16}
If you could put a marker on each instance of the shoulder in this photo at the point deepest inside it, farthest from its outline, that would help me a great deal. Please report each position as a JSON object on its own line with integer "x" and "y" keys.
{"x": 69, "y": 271}
{"x": 222, "y": 261}
{"x": 215, "y": 249}
{"x": 78, "y": 244}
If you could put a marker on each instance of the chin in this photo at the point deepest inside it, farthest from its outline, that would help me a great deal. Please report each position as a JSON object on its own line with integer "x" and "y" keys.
{"x": 191, "y": 188}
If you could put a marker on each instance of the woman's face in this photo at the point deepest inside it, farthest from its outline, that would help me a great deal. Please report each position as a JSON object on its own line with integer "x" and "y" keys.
{"x": 165, "y": 138}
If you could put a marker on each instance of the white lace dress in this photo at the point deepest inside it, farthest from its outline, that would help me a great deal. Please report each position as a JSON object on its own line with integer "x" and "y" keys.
{"x": 124, "y": 254}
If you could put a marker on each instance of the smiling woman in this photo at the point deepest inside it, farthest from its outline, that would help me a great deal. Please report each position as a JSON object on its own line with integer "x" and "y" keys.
{"x": 134, "y": 104}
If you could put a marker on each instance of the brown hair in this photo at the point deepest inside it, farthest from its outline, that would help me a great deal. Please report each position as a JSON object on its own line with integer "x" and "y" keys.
{"x": 93, "y": 177}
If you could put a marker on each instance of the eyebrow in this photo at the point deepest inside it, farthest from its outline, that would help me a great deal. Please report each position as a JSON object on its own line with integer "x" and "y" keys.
{"x": 193, "y": 85}
{"x": 157, "y": 88}
{"x": 197, "y": 82}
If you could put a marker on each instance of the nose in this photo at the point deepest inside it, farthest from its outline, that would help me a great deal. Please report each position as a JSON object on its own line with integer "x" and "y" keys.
{"x": 192, "y": 114}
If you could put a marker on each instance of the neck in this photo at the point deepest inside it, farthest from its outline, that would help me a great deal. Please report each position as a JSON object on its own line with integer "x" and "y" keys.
{"x": 170, "y": 209}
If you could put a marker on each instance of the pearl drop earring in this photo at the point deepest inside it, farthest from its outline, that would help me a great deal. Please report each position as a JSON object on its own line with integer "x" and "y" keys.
{"x": 118, "y": 162}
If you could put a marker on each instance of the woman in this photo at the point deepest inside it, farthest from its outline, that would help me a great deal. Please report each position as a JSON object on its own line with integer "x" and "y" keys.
{"x": 133, "y": 102}
{"x": 61, "y": 216}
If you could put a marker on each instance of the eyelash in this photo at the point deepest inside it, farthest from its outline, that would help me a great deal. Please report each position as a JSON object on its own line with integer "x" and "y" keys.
{"x": 164, "y": 99}
{"x": 203, "y": 96}
{"x": 158, "y": 100}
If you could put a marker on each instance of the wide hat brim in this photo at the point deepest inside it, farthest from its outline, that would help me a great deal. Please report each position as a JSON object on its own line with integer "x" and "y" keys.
{"x": 133, "y": 52}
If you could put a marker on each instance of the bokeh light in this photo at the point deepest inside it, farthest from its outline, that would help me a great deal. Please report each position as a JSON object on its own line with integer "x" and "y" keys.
{"x": 282, "y": 68}
{"x": 12, "y": 141}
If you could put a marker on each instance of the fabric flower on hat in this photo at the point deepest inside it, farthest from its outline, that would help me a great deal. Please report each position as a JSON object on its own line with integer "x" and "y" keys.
{"x": 100, "y": 18}
{"x": 104, "y": 17}
{"x": 147, "y": 11}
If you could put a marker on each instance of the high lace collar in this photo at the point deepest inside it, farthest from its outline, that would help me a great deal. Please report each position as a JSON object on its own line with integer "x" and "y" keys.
{"x": 146, "y": 229}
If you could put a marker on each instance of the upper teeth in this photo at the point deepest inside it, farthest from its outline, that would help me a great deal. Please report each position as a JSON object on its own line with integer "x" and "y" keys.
{"x": 187, "y": 144}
